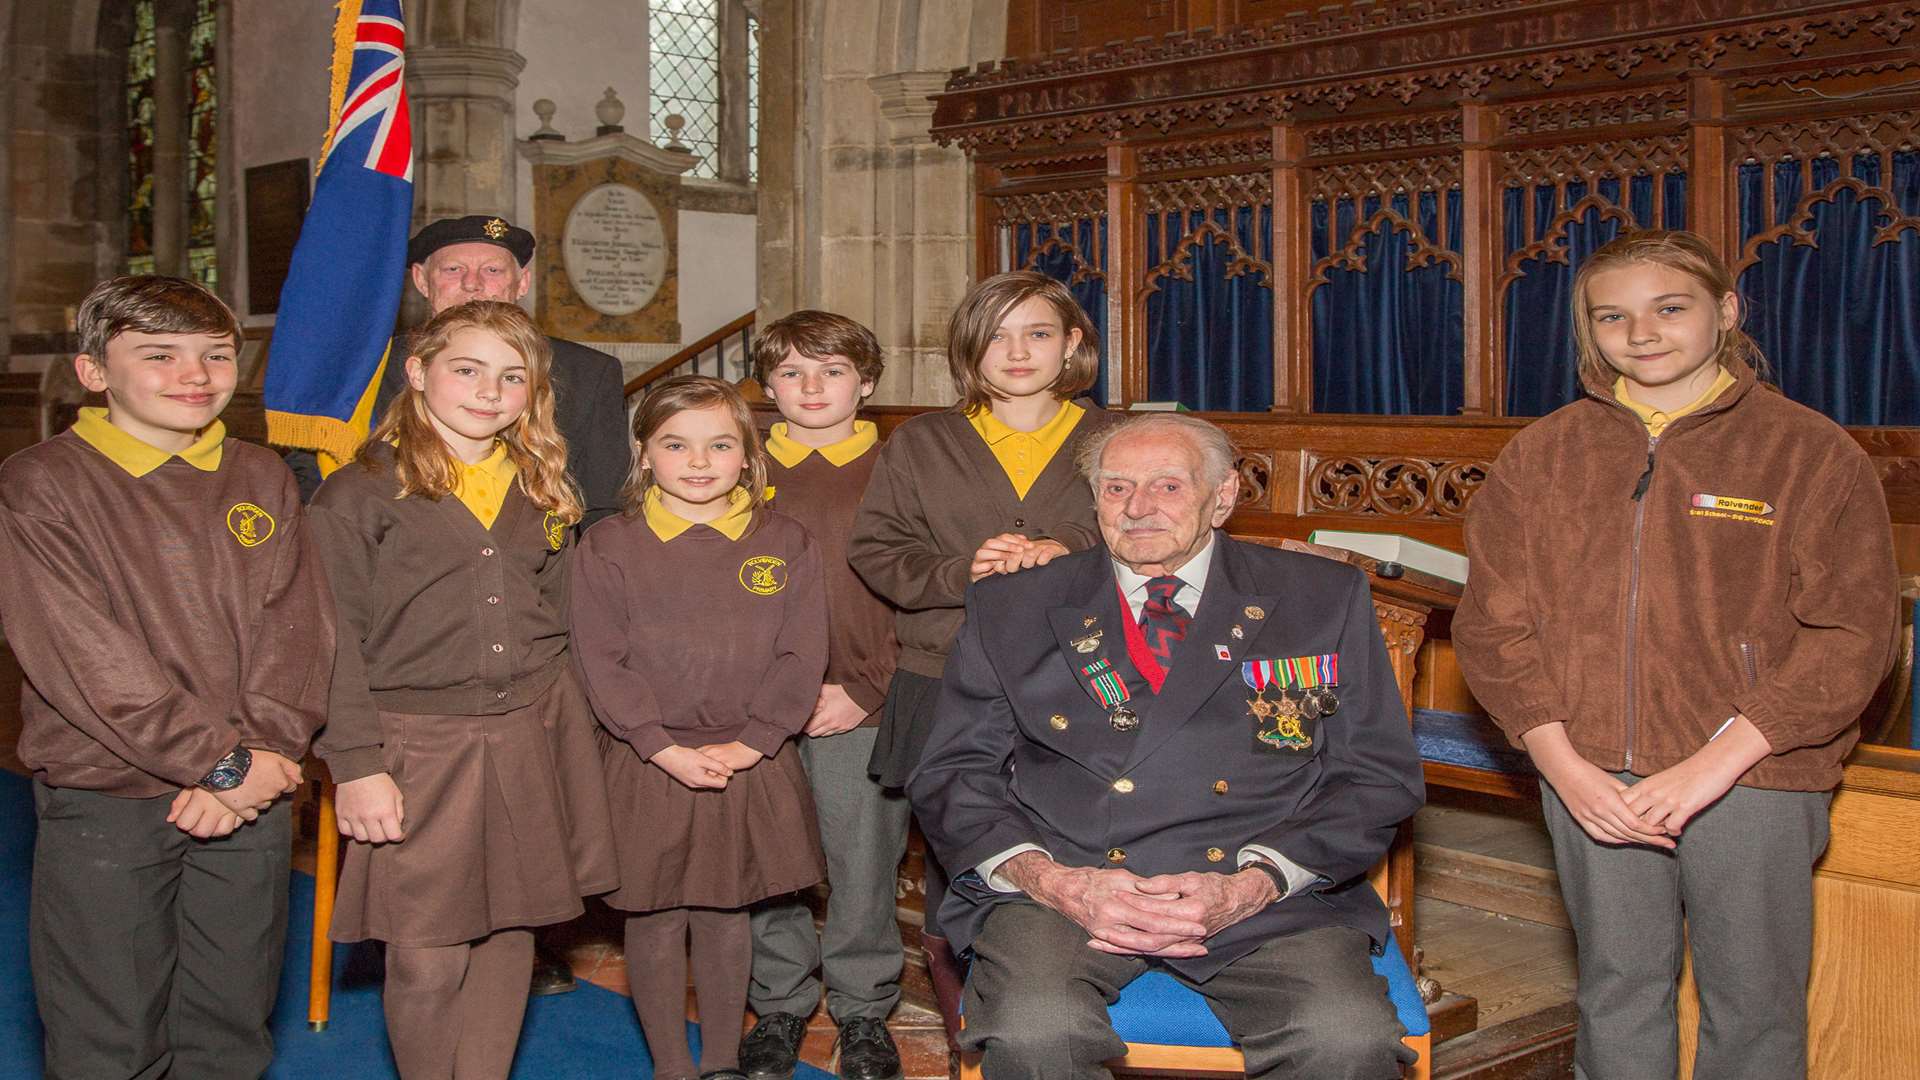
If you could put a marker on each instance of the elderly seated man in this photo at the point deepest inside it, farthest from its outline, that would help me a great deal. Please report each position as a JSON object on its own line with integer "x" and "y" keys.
{"x": 1173, "y": 750}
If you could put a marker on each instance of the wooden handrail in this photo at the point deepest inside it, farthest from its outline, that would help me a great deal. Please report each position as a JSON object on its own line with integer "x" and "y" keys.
{"x": 665, "y": 367}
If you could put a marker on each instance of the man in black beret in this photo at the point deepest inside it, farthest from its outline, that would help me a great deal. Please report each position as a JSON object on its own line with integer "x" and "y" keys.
{"x": 480, "y": 257}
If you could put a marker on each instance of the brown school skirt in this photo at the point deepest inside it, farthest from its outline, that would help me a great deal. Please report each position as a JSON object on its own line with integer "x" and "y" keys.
{"x": 506, "y": 822}
{"x": 757, "y": 837}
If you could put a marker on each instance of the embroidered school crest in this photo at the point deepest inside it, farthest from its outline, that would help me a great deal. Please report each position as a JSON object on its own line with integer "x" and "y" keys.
{"x": 249, "y": 524}
{"x": 763, "y": 575}
{"x": 556, "y": 530}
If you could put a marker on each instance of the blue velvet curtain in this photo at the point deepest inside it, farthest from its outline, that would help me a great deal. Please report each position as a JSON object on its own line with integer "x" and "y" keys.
{"x": 1089, "y": 238}
{"x": 1539, "y": 320}
{"x": 1840, "y": 322}
{"x": 1388, "y": 340}
{"x": 1210, "y": 339}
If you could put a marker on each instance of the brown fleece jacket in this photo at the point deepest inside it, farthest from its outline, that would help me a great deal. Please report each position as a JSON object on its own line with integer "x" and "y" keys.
{"x": 1754, "y": 575}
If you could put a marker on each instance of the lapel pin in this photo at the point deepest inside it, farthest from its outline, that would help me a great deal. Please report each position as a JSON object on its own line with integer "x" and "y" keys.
{"x": 1089, "y": 643}
{"x": 1254, "y": 611}
{"x": 1237, "y": 633}
{"x": 1088, "y": 621}
{"x": 1222, "y": 652}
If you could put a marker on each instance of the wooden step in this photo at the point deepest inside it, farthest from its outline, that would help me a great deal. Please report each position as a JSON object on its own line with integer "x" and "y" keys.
{"x": 1538, "y": 1046}
{"x": 1502, "y": 886}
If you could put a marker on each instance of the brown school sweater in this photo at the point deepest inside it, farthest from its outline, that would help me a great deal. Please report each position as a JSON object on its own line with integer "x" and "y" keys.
{"x": 700, "y": 639}
{"x": 438, "y": 614}
{"x": 937, "y": 493}
{"x": 161, "y": 619}
{"x": 823, "y": 497}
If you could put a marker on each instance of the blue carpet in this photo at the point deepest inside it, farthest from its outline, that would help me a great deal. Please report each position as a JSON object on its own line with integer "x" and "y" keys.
{"x": 590, "y": 1034}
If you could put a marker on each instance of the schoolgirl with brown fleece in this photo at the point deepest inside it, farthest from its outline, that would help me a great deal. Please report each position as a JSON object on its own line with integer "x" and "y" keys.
{"x": 1682, "y": 595}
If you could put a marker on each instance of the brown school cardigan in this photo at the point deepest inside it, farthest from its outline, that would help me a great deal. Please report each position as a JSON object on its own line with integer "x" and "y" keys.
{"x": 437, "y": 613}
{"x": 937, "y": 493}
{"x": 161, "y": 620}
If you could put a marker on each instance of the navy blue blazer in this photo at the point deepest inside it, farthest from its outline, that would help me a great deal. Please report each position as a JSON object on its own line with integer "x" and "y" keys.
{"x": 1023, "y": 751}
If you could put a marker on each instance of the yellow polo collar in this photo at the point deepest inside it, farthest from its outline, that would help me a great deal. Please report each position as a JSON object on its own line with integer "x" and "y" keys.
{"x": 140, "y": 458}
{"x": 1656, "y": 420}
{"x": 666, "y": 524}
{"x": 790, "y": 454}
{"x": 483, "y": 485}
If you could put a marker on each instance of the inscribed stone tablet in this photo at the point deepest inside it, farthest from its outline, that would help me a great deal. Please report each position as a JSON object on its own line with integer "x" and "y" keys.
{"x": 616, "y": 249}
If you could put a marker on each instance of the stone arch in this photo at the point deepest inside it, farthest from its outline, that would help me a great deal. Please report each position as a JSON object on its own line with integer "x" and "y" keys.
{"x": 61, "y": 218}
{"x": 860, "y": 211}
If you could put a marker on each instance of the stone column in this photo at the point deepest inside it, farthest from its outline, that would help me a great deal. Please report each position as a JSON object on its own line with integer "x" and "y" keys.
{"x": 789, "y": 175}
{"x": 922, "y": 243}
{"x": 172, "y": 19}
{"x": 463, "y": 144}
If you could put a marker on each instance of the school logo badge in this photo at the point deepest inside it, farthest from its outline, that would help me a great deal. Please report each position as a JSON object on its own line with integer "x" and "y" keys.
{"x": 556, "y": 530}
{"x": 1752, "y": 511}
{"x": 249, "y": 524}
{"x": 763, "y": 575}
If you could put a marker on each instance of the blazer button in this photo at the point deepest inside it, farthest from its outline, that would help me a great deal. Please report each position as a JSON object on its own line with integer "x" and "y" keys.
{"x": 1123, "y": 785}
{"x": 1214, "y": 854}
{"x": 1059, "y": 722}
{"x": 1219, "y": 787}
{"x": 1116, "y": 855}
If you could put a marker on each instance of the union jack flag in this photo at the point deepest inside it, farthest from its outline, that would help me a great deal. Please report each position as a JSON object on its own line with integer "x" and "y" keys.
{"x": 343, "y": 288}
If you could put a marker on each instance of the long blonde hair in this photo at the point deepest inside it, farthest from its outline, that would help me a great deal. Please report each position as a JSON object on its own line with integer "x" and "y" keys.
{"x": 673, "y": 397}
{"x": 424, "y": 464}
{"x": 1675, "y": 249}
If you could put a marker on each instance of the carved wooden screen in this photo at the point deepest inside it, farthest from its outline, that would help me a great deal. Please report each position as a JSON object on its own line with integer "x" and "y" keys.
{"x": 1412, "y": 186}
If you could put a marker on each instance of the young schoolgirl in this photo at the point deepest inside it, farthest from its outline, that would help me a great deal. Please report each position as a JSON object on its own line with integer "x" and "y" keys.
{"x": 700, "y": 623}
{"x": 1682, "y": 596}
{"x": 986, "y": 487}
{"x": 461, "y": 743}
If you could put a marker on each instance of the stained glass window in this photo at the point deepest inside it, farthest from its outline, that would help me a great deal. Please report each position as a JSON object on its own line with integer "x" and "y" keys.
{"x": 201, "y": 151}
{"x": 687, "y": 61}
{"x": 140, "y": 61}
{"x": 203, "y": 157}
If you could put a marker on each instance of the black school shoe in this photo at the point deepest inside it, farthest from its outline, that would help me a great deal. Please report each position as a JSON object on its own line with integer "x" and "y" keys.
{"x": 867, "y": 1051}
{"x": 772, "y": 1049}
{"x": 551, "y": 975}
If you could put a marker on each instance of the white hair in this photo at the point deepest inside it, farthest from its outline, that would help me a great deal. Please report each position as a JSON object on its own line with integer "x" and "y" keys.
{"x": 1215, "y": 449}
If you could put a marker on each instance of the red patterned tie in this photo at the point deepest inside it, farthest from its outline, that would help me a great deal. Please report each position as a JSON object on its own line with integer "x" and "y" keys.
{"x": 1162, "y": 621}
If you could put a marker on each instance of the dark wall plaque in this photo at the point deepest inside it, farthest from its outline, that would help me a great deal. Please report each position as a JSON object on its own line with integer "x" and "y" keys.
{"x": 276, "y": 203}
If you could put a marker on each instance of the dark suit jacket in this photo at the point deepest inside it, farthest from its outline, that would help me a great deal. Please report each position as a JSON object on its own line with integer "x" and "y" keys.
{"x": 999, "y": 770}
{"x": 590, "y": 409}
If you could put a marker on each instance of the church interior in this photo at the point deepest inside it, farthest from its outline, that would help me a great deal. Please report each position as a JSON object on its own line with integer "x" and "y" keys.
{"x": 1344, "y": 231}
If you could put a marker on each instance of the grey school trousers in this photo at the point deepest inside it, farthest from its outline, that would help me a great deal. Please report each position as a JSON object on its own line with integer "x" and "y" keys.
{"x": 863, "y": 829}
{"x": 1742, "y": 880}
{"x": 154, "y": 954}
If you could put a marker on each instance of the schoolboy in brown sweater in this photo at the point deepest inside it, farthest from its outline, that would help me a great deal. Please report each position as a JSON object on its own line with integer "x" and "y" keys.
{"x": 819, "y": 367}
{"x": 172, "y": 621}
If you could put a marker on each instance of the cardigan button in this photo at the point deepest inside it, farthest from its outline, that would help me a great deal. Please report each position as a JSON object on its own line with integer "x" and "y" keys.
{"x": 500, "y": 694}
{"x": 1019, "y": 523}
{"x": 486, "y": 551}
{"x": 497, "y": 647}
{"x": 493, "y": 599}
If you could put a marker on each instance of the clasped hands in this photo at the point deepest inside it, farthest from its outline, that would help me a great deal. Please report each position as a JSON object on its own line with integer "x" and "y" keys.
{"x": 709, "y": 766}
{"x": 1010, "y": 552}
{"x": 1653, "y": 811}
{"x": 205, "y": 814}
{"x": 1168, "y": 915}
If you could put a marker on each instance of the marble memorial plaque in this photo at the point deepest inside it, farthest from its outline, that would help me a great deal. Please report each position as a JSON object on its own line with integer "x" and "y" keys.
{"x": 615, "y": 249}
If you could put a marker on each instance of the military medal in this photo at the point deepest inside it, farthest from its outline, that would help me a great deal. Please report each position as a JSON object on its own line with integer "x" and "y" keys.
{"x": 1276, "y": 723}
{"x": 1112, "y": 692}
{"x": 1237, "y": 633}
